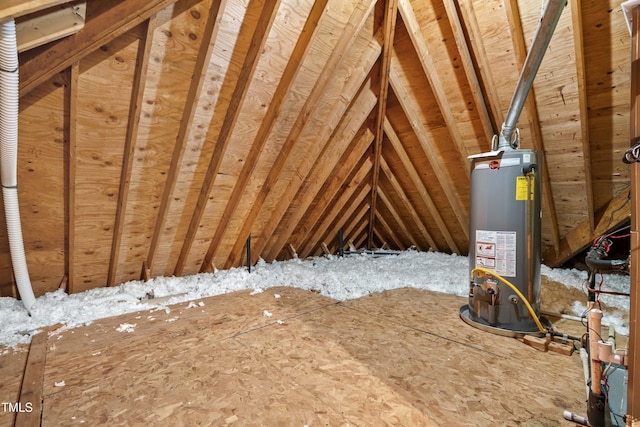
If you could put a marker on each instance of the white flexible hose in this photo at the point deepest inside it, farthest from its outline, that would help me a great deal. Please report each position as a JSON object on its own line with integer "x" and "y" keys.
{"x": 9, "y": 158}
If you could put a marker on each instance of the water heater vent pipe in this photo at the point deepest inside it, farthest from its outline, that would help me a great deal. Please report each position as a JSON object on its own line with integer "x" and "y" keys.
{"x": 550, "y": 18}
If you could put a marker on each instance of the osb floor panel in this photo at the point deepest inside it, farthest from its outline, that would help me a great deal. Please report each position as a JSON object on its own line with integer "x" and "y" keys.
{"x": 397, "y": 358}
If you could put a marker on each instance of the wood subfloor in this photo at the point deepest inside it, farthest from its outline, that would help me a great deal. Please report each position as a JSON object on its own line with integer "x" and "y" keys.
{"x": 289, "y": 357}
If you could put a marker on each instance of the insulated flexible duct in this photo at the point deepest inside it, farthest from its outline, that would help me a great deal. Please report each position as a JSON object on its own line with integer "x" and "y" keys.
{"x": 9, "y": 158}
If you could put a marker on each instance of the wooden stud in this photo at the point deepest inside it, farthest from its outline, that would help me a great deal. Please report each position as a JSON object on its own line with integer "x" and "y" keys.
{"x": 389, "y": 28}
{"x": 71, "y": 119}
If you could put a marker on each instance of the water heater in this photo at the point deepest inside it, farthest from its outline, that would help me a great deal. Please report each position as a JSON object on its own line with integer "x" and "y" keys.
{"x": 505, "y": 240}
{"x": 505, "y": 215}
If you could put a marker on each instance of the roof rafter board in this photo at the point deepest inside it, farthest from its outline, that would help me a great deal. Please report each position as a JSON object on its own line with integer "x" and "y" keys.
{"x": 460, "y": 36}
{"x": 316, "y": 167}
{"x": 350, "y": 208}
{"x": 258, "y": 41}
{"x": 550, "y": 229}
{"x": 254, "y": 143}
{"x": 262, "y": 150}
{"x": 437, "y": 51}
{"x": 428, "y": 140}
{"x": 99, "y": 30}
{"x": 340, "y": 203}
{"x": 104, "y": 94}
{"x": 269, "y": 188}
{"x": 607, "y": 70}
{"x": 578, "y": 44}
{"x": 389, "y": 25}
{"x": 353, "y": 227}
{"x": 285, "y": 130}
{"x": 41, "y": 164}
{"x": 388, "y": 231}
{"x": 451, "y": 60}
{"x": 326, "y": 167}
{"x": 558, "y": 106}
{"x": 171, "y": 87}
{"x": 338, "y": 181}
{"x": 135, "y": 106}
{"x": 420, "y": 189}
{"x": 481, "y": 62}
{"x": 400, "y": 223}
{"x": 407, "y": 206}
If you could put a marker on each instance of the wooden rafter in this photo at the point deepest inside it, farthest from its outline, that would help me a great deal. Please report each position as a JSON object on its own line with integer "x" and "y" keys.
{"x": 609, "y": 217}
{"x": 576, "y": 19}
{"x": 481, "y": 60}
{"x": 389, "y": 29}
{"x": 431, "y": 72}
{"x": 282, "y": 225}
{"x": 401, "y": 227}
{"x": 98, "y": 31}
{"x": 357, "y": 224}
{"x": 406, "y": 204}
{"x": 137, "y": 92}
{"x": 315, "y": 197}
{"x": 341, "y": 201}
{"x": 256, "y": 45}
{"x": 356, "y": 21}
{"x": 426, "y": 142}
{"x": 453, "y": 13}
{"x": 359, "y": 195}
{"x": 419, "y": 185}
{"x": 298, "y": 56}
{"x": 210, "y": 33}
{"x": 381, "y": 222}
{"x": 530, "y": 111}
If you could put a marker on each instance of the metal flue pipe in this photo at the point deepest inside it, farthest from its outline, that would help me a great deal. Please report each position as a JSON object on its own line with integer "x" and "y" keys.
{"x": 546, "y": 27}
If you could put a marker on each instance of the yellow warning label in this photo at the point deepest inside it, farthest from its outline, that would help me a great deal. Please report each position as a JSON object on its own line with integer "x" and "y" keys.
{"x": 522, "y": 184}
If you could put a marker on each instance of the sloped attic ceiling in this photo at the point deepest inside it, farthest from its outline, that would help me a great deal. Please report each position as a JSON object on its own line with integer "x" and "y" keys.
{"x": 164, "y": 133}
